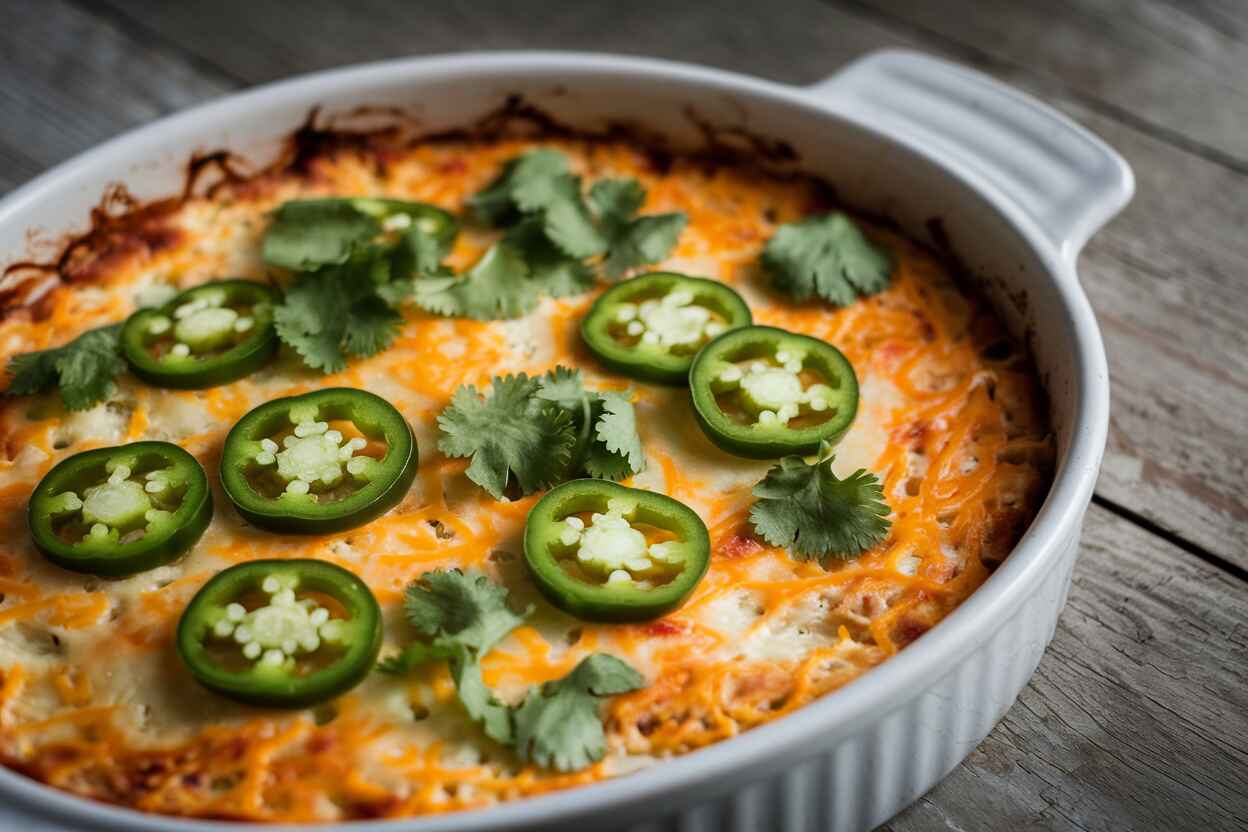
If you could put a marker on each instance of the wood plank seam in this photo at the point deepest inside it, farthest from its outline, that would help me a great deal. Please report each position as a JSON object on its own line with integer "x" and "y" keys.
{"x": 1172, "y": 538}
{"x": 133, "y": 28}
{"x": 989, "y": 62}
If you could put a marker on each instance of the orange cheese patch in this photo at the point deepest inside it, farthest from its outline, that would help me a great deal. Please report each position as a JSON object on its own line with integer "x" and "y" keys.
{"x": 94, "y": 700}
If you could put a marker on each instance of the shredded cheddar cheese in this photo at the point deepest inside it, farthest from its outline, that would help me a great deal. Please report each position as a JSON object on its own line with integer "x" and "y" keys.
{"x": 94, "y": 701}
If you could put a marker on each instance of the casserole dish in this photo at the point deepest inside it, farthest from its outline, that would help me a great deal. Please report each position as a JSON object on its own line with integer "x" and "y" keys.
{"x": 956, "y": 160}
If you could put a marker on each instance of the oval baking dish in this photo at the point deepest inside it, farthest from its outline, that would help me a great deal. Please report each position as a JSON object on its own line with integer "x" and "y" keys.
{"x": 958, "y": 161}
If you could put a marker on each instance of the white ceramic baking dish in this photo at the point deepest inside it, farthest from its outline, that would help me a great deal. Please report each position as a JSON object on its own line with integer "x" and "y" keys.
{"x": 1016, "y": 189}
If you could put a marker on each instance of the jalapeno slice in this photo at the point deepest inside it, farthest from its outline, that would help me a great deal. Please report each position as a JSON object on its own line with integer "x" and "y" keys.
{"x": 322, "y": 462}
{"x": 650, "y": 327}
{"x": 117, "y": 511}
{"x": 281, "y": 633}
{"x": 210, "y": 334}
{"x": 762, "y": 392}
{"x": 605, "y": 552}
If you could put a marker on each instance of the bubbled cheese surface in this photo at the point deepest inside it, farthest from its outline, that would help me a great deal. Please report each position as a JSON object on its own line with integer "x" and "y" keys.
{"x": 94, "y": 700}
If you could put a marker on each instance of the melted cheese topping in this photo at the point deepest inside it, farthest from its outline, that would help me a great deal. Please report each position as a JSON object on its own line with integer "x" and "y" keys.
{"x": 94, "y": 700}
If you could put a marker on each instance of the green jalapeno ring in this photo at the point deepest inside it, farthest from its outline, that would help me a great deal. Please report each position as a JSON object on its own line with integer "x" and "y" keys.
{"x": 656, "y": 362}
{"x": 82, "y": 485}
{"x": 281, "y": 685}
{"x": 212, "y": 328}
{"x": 769, "y": 441}
{"x": 385, "y": 481}
{"x": 610, "y": 600}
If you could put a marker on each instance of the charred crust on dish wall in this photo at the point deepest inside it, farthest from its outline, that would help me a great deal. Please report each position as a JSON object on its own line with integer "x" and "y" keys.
{"x": 122, "y": 226}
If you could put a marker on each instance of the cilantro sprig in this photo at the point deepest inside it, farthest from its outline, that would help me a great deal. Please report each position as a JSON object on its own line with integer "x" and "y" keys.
{"x": 356, "y": 261}
{"x": 815, "y": 514}
{"x": 508, "y": 281}
{"x": 84, "y": 369}
{"x": 539, "y": 188}
{"x": 632, "y": 241}
{"x": 827, "y": 256}
{"x": 557, "y": 724}
{"x": 533, "y": 432}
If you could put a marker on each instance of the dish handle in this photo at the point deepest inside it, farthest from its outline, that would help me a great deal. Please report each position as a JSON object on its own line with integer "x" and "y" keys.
{"x": 1062, "y": 176}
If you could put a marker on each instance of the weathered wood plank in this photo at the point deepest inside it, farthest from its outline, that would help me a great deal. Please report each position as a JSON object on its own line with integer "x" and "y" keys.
{"x": 1180, "y": 67}
{"x": 72, "y": 81}
{"x": 1167, "y": 278}
{"x": 264, "y": 41}
{"x": 1137, "y": 716}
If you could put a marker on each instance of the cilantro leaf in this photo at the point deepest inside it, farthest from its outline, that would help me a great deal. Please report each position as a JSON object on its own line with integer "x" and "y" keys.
{"x": 645, "y": 240}
{"x": 608, "y": 447}
{"x": 567, "y": 221}
{"x": 538, "y": 186}
{"x": 828, "y": 256}
{"x": 467, "y": 610}
{"x": 464, "y": 616}
{"x": 417, "y": 253}
{"x": 556, "y": 274}
{"x": 479, "y": 701}
{"x": 559, "y": 726}
{"x": 309, "y": 233}
{"x": 84, "y": 369}
{"x": 616, "y": 200}
{"x": 334, "y": 313}
{"x": 356, "y": 270}
{"x": 510, "y": 435}
{"x": 371, "y": 326}
{"x": 813, "y": 513}
{"x": 617, "y": 451}
{"x": 497, "y": 286}
{"x": 563, "y": 386}
{"x": 524, "y": 179}
{"x": 536, "y": 432}
{"x": 632, "y": 242}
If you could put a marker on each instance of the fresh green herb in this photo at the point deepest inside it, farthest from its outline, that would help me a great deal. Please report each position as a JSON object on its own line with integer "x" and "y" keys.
{"x": 354, "y": 272}
{"x": 510, "y": 434}
{"x": 536, "y": 432}
{"x": 616, "y": 451}
{"x": 538, "y": 185}
{"x": 336, "y": 313}
{"x": 558, "y": 725}
{"x": 84, "y": 369}
{"x": 462, "y": 610}
{"x": 813, "y": 513}
{"x": 828, "y": 256}
{"x": 632, "y": 241}
{"x": 308, "y": 234}
{"x": 463, "y": 616}
{"x": 558, "y": 274}
{"x": 479, "y": 701}
{"x": 522, "y": 181}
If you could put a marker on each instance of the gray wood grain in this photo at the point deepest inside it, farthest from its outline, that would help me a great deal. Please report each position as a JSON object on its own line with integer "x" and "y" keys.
{"x": 1179, "y": 66}
{"x": 1137, "y": 716}
{"x": 71, "y": 81}
{"x": 1167, "y": 278}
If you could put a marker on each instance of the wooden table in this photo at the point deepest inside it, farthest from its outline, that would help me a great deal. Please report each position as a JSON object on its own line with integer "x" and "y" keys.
{"x": 1138, "y": 715}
